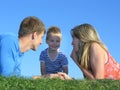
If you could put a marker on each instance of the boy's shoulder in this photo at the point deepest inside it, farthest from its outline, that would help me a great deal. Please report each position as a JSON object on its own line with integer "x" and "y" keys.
{"x": 44, "y": 51}
{"x": 61, "y": 53}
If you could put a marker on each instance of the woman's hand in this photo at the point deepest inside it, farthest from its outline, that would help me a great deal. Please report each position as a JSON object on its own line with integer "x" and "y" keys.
{"x": 87, "y": 73}
{"x": 73, "y": 55}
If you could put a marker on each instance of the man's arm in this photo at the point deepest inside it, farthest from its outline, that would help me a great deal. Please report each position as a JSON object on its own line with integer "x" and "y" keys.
{"x": 7, "y": 56}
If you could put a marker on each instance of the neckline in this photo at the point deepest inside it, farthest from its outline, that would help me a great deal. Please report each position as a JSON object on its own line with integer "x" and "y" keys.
{"x": 55, "y": 56}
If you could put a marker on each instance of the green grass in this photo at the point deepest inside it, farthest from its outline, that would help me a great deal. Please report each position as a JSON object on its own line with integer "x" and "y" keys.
{"x": 14, "y": 83}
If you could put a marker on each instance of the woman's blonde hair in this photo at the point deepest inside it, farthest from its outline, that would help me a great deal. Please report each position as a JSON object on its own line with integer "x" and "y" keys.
{"x": 88, "y": 35}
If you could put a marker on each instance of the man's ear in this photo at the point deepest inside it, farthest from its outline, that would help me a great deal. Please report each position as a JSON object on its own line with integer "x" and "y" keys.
{"x": 34, "y": 35}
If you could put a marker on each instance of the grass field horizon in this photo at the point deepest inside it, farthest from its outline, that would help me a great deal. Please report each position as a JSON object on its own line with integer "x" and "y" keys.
{"x": 21, "y": 83}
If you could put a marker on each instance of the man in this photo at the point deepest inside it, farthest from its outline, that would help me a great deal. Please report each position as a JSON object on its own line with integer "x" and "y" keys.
{"x": 12, "y": 48}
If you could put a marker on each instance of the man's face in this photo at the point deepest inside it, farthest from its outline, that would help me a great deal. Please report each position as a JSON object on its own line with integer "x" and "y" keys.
{"x": 37, "y": 41}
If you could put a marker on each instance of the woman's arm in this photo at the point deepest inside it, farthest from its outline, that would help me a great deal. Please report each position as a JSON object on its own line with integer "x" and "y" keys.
{"x": 97, "y": 60}
{"x": 87, "y": 74}
{"x": 73, "y": 56}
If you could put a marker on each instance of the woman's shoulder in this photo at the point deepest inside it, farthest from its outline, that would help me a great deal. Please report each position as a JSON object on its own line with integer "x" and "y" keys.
{"x": 95, "y": 46}
{"x": 97, "y": 50}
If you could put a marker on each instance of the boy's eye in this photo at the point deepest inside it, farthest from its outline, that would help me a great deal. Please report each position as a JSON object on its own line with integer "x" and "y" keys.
{"x": 52, "y": 40}
{"x": 57, "y": 41}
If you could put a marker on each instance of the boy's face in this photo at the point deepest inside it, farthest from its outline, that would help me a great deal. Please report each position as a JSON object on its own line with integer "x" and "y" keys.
{"x": 37, "y": 40}
{"x": 53, "y": 42}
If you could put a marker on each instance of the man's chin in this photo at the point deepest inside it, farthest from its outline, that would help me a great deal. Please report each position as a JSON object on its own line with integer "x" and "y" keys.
{"x": 34, "y": 49}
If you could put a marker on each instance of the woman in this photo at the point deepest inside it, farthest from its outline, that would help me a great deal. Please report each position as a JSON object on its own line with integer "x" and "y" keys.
{"x": 91, "y": 55}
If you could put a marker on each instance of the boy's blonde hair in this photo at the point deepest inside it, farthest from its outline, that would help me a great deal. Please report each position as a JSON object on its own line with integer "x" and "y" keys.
{"x": 53, "y": 31}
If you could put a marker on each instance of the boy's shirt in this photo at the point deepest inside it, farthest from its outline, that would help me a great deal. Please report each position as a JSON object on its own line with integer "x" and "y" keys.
{"x": 53, "y": 66}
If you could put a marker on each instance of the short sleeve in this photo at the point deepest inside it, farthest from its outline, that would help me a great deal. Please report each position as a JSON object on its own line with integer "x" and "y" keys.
{"x": 64, "y": 60}
{"x": 42, "y": 57}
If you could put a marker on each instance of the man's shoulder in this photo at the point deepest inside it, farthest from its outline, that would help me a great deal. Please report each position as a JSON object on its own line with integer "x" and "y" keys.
{"x": 8, "y": 36}
{"x": 9, "y": 39}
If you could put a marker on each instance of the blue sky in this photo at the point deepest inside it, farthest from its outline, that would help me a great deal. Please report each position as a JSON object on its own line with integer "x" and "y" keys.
{"x": 104, "y": 15}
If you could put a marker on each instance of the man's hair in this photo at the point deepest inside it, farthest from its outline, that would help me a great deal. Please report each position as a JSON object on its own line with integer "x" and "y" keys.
{"x": 29, "y": 25}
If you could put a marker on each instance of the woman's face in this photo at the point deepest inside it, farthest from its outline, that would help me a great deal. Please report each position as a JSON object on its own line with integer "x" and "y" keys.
{"x": 75, "y": 43}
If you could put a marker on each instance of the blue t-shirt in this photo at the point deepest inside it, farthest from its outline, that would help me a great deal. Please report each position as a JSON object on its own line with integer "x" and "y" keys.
{"x": 10, "y": 55}
{"x": 53, "y": 66}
